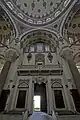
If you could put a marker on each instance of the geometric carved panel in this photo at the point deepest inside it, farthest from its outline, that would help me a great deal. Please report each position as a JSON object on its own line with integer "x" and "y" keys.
{"x": 39, "y": 58}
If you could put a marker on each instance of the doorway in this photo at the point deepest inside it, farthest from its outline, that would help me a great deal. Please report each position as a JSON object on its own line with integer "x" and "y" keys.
{"x": 40, "y": 98}
{"x": 76, "y": 97}
{"x": 37, "y": 103}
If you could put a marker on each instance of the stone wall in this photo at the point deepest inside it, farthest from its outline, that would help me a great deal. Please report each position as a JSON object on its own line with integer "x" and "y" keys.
{"x": 69, "y": 117}
{"x": 10, "y": 117}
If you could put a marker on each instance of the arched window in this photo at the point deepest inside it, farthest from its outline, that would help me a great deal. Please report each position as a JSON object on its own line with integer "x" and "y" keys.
{"x": 40, "y": 48}
{"x": 22, "y": 94}
{"x": 47, "y": 48}
{"x": 58, "y": 95}
{"x": 32, "y": 48}
{"x": 78, "y": 66}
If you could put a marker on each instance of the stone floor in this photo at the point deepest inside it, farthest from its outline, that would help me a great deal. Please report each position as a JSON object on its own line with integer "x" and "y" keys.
{"x": 40, "y": 116}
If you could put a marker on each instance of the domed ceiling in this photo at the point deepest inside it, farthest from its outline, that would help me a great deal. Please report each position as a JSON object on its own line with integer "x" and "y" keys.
{"x": 37, "y": 12}
{"x": 6, "y": 28}
{"x": 72, "y": 28}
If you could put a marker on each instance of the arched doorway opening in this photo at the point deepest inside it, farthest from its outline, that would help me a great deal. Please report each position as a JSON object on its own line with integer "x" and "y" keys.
{"x": 40, "y": 99}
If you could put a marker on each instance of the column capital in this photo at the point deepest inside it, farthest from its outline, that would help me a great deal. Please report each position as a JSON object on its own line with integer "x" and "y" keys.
{"x": 66, "y": 53}
{"x": 11, "y": 54}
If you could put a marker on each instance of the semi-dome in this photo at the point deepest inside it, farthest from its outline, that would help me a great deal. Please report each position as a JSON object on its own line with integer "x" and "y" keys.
{"x": 37, "y": 12}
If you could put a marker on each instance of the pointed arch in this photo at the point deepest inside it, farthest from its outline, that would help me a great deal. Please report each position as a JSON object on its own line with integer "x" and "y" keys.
{"x": 56, "y": 85}
{"x": 23, "y": 85}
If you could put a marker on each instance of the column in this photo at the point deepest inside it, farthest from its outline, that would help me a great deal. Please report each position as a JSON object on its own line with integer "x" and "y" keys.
{"x": 11, "y": 57}
{"x": 75, "y": 74}
{"x": 4, "y": 74}
{"x": 50, "y": 97}
{"x": 68, "y": 76}
{"x": 66, "y": 53}
{"x": 30, "y": 98}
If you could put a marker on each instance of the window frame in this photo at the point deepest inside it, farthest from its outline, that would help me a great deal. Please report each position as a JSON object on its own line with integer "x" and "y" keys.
{"x": 53, "y": 97}
{"x": 35, "y": 48}
{"x": 26, "y": 99}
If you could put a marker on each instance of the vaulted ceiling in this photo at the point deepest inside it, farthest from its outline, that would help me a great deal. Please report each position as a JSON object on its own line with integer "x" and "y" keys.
{"x": 40, "y": 13}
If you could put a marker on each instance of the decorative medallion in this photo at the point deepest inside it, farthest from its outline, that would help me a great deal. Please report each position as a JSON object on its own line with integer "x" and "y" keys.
{"x": 37, "y": 12}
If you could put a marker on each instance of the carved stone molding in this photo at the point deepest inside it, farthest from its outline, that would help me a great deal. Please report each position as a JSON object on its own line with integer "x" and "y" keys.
{"x": 40, "y": 58}
{"x": 55, "y": 80}
{"x": 39, "y": 35}
{"x": 56, "y": 83}
{"x": 23, "y": 83}
{"x": 39, "y": 80}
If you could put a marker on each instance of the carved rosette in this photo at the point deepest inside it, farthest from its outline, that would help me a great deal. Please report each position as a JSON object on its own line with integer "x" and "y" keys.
{"x": 11, "y": 54}
{"x": 66, "y": 53}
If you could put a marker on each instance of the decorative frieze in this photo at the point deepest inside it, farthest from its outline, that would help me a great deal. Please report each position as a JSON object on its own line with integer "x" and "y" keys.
{"x": 39, "y": 79}
{"x": 39, "y": 72}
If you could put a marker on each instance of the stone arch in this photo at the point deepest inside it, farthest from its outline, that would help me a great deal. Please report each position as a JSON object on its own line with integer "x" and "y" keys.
{"x": 51, "y": 37}
{"x": 56, "y": 85}
{"x": 23, "y": 85}
{"x": 76, "y": 57}
{"x": 68, "y": 17}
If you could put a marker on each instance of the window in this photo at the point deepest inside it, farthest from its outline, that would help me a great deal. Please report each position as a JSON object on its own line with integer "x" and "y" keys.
{"x": 78, "y": 67}
{"x": 70, "y": 40}
{"x": 76, "y": 97}
{"x": 59, "y": 99}
{"x": 21, "y": 99}
{"x": 32, "y": 48}
{"x": 37, "y": 103}
{"x": 58, "y": 96}
{"x": 1, "y": 66}
{"x": 47, "y": 48}
{"x": 39, "y": 47}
